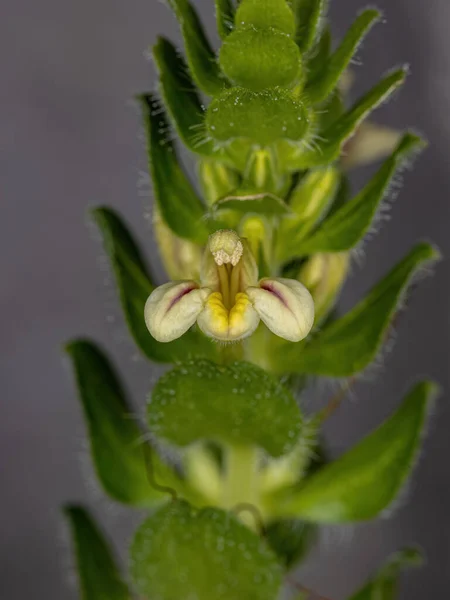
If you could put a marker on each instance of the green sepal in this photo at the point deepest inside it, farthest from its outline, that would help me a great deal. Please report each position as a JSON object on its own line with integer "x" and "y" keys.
{"x": 180, "y": 552}
{"x": 308, "y": 17}
{"x": 348, "y": 345}
{"x": 321, "y": 86}
{"x": 266, "y": 15}
{"x": 384, "y": 586}
{"x": 181, "y": 98}
{"x": 224, "y": 17}
{"x": 348, "y": 225}
{"x": 262, "y": 117}
{"x": 116, "y": 440}
{"x": 239, "y": 404}
{"x": 135, "y": 285}
{"x": 179, "y": 205}
{"x": 200, "y": 56}
{"x": 343, "y": 491}
{"x": 98, "y": 575}
{"x": 246, "y": 201}
{"x": 216, "y": 179}
{"x": 329, "y": 145}
{"x": 309, "y": 202}
{"x": 258, "y": 59}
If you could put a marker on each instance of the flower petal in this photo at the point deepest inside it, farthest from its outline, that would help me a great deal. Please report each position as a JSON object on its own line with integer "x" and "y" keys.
{"x": 219, "y": 323}
{"x": 173, "y": 308}
{"x": 285, "y": 306}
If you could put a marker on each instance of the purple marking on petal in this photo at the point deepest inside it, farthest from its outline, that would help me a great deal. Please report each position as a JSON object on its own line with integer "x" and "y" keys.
{"x": 180, "y": 295}
{"x": 269, "y": 287}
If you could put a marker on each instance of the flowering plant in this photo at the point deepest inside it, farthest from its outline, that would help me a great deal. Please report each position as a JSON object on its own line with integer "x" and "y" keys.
{"x": 231, "y": 470}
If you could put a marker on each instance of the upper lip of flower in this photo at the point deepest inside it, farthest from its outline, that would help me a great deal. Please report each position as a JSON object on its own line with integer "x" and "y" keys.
{"x": 230, "y": 301}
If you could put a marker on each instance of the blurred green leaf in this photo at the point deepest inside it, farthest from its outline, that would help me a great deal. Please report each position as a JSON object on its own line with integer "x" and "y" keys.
{"x": 308, "y": 17}
{"x": 201, "y": 58}
{"x": 321, "y": 86}
{"x": 98, "y": 575}
{"x": 224, "y": 17}
{"x": 291, "y": 540}
{"x": 180, "y": 552}
{"x": 135, "y": 285}
{"x": 384, "y": 585}
{"x": 329, "y": 144}
{"x": 367, "y": 479}
{"x": 348, "y": 225}
{"x": 236, "y": 404}
{"x": 349, "y": 344}
{"x": 116, "y": 439}
{"x": 181, "y": 98}
{"x": 179, "y": 205}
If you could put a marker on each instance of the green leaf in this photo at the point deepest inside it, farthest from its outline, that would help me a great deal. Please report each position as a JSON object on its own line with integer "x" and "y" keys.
{"x": 367, "y": 479}
{"x": 385, "y": 583}
{"x": 224, "y": 17}
{"x": 324, "y": 83}
{"x": 179, "y": 205}
{"x": 329, "y": 145}
{"x": 245, "y": 201}
{"x": 180, "y": 552}
{"x": 348, "y": 225}
{"x": 135, "y": 285}
{"x": 99, "y": 577}
{"x": 266, "y": 15}
{"x": 236, "y": 404}
{"x": 319, "y": 56}
{"x": 181, "y": 98}
{"x": 116, "y": 439}
{"x": 201, "y": 58}
{"x": 308, "y": 17}
{"x": 263, "y": 117}
{"x": 349, "y": 344}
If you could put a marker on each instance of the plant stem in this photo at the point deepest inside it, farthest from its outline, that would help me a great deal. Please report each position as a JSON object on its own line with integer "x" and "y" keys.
{"x": 241, "y": 477}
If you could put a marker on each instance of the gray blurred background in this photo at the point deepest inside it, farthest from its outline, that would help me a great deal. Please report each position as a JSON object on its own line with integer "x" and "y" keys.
{"x": 69, "y": 140}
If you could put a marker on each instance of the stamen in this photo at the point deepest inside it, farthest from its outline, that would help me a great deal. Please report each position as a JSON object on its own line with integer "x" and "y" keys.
{"x": 224, "y": 281}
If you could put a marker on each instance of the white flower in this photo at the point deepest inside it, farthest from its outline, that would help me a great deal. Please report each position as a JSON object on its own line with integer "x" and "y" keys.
{"x": 230, "y": 301}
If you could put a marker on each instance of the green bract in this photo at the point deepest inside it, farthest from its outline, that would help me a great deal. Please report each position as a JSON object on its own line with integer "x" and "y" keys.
{"x": 180, "y": 552}
{"x": 266, "y": 115}
{"x": 238, "y": 404}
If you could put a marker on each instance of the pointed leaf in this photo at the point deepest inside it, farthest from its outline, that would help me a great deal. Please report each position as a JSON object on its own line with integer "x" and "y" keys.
{"x": 236, "y": 404}
{"x": 179, "y": 205}
{"x": 385, "y": 583}
{"x": 181, "y": 553}
{"x": 328, "y": 147}
{"x": 308, "y": 17}
{"x": 181, "y": 97}
{"x": 116, "y": 439}
{"x": 349, "y": 344}
{"x": 99, "y": 577}
{"x": 224, "y": 17}
{"x": 348, "y": 225}
{"x": 320, "y": 55}
{"x": 367, "y": 479}
{"x": 135, "y": 285}
{"x": 201, "y": 58}
{"x": 324, "y": 83}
